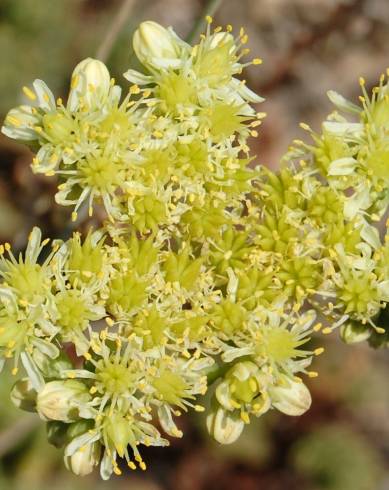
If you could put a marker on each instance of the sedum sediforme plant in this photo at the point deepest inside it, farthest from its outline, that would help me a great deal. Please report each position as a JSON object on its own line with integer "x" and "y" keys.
{"x": 208, "y": 274}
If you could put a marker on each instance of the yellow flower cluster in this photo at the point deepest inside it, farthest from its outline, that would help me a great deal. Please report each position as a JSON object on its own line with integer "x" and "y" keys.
{"x": 207, "y": 272}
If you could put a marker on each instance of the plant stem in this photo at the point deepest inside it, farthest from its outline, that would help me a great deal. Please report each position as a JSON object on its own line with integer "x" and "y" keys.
{"x": 118, "y": 22}
{"x": 11, "y": 437}
{"x": 210, "y": 8}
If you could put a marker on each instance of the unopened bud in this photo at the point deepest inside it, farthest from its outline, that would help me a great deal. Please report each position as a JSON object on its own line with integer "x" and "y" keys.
{"x": 354, "y": 332}
{"x": 90, "y": 84}
{"x": 83, "y": 461}
{"x": 156, "y": 46}
{"x": 225, "y": 427}
{"x": 291, "y": 397}
{"x": 62, "y": 400}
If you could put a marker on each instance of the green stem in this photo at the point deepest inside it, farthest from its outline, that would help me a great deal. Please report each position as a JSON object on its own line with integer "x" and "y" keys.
{"x": 104, "y": 50}
{"x": 210, "y": 8}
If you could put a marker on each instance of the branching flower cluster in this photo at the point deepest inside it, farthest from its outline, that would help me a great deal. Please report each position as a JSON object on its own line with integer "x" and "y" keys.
{"x": 208, "y": 274}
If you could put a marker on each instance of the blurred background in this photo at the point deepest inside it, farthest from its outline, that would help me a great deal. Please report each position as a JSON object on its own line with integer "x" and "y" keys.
{"x": 308, "y": 47}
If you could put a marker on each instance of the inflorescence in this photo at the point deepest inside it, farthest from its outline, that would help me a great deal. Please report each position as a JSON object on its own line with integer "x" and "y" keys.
{"x": 207, "y": 274}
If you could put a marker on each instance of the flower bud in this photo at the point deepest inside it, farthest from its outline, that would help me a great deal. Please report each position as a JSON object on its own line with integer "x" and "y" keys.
{"x": 240, "y": 385}
{"x": 63, "y": 400}
{"x": 83, "y": 461}
{"x": 290, "y": 397}
{"x": 156, "y": 46}
{"x": 90, "y": 85}
{"x": 354, "y": 332}
{"x": 225, "y": 427}
{"x": 23, "y": 395}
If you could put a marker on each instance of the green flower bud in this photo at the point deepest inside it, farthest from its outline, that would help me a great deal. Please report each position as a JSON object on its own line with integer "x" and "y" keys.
{"x": 126, "y": 291}
{"x": 228, "y": 316}
{"x": 63, "y": 400}
{"x": 181, "y": 268}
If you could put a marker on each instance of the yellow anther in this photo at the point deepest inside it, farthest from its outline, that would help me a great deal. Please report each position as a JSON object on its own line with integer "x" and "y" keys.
{"x": 29, "y": 93}
{"x": 317, "y": 327}
{"x": 15, "y": 371}
{"x": 93, "y": 390}
{"x": 87, "y": 356}
{"x": 74, "y": 81}
{"x": 362, "y": 81}
{"x": 318, "y": 351}
{"x": 59, "y": 101}
{"x": 199, "y": 408}
{"x": 245, "y": 417}
{"x": 305, "y": 126}
{"x": 257, "y": 61}
{"x": 134, "y": 89}
{"x": 74, "y": 216}
{"x": 131, "y": 465}
{"x": 186, "y": 354}
{"x": 209, "y": 19}
{"x": 117, "y": 470}
{"x": 244, "y": 39}
{"x": 7, "y": 246}
{"x": 142, "y": 465}
{"x": 313, "y": 374}
{"x": 177, "y": 433}
{"x": 327, "y": 330}
{"x": 234, "y": 403}
{"x": 229, "y": 28}
{"x": 253, "y": 385}
{"x": 109, "y": 321}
